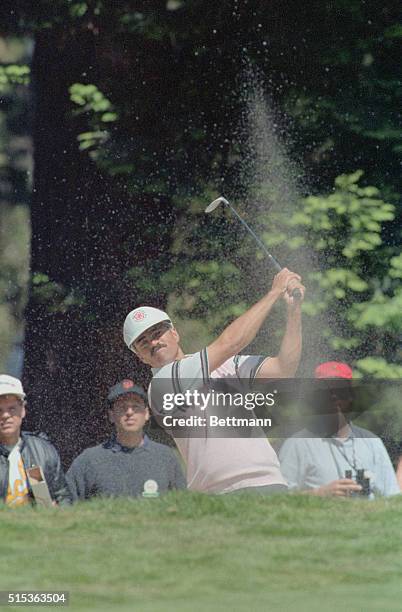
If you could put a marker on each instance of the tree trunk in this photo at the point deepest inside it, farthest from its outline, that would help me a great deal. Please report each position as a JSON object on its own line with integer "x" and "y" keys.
{"x": 81, "y": 227}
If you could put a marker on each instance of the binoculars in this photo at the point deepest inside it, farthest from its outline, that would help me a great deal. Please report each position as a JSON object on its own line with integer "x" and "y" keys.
{"x": 360, "y": 480}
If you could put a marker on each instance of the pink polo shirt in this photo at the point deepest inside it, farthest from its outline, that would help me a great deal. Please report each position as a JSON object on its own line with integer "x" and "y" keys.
{"x": 218, "y": 465}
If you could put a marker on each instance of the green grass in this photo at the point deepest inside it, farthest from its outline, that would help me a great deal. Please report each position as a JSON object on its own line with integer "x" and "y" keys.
{"x": 191, "y": 552}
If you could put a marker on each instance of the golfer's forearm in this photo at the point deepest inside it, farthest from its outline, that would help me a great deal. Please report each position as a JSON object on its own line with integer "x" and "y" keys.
{"x": 290, "y": 350}
{"x": 244, "y": 329}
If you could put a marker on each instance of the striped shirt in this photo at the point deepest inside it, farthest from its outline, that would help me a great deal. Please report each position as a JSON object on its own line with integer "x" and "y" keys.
{"x": 217, "y": 465}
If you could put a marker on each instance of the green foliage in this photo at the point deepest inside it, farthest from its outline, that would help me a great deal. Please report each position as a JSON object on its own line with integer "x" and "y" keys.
{"x": 78, "y": 9}
{"x": 381, "y": 311}
{"x": 14, "y": 265}
{"x": 356, "y": 288}
{"x": 377, "y": 367}
{"x": 348, "y": 220}
{"x": 196, "y": 288}
{"x": 100, "y": 111}
{"x": 339, "y": 280}
{"x": 53, "y": 296}
{"x": 203, "y": 284}
{"x": 89, "y": 98}
{"x": 92, "y": 140}
{"x": 13, "y": 74}
{"x": 396, "y": 267}
{"x": 15, "y": 178}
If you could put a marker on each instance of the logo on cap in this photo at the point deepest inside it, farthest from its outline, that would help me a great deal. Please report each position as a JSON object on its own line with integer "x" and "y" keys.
{"x": 139, "y": 315}
{"x": 127, "y": 384}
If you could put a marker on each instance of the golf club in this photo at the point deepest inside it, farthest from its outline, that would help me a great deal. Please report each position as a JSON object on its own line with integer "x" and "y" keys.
{"x": 296, "y": 293}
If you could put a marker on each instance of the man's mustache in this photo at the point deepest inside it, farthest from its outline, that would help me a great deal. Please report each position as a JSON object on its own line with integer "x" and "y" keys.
{"x": 156, "y": 348}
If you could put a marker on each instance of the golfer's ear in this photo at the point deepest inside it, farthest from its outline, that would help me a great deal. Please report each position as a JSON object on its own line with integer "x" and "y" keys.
{"x": 110, "y": 416}
{"x": 176, "y": 334}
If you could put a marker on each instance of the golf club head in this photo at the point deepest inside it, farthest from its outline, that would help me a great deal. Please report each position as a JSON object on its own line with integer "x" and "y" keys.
{"x": 215, "y": 204}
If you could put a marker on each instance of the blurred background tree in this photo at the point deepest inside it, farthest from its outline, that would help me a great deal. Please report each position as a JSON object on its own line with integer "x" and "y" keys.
{"x": 141, "y": 115}
{"x": 15, "y": 186}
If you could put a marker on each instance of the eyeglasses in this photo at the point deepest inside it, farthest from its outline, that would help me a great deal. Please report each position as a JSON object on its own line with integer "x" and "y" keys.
{"x": 136, "y": 409}
{"x": 151, "y": 334}
{"x": 122, "y": 407}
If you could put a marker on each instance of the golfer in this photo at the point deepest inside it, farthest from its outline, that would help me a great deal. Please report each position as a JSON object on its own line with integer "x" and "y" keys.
{"x": 221, "y": 465}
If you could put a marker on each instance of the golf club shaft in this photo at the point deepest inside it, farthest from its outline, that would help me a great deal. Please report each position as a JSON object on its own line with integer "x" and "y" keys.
{"x": 296, "y": 293}
{"x": 275, "y": 263}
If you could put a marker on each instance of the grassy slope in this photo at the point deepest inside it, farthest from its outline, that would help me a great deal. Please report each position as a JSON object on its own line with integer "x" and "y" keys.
{"x": 193, "y": 552}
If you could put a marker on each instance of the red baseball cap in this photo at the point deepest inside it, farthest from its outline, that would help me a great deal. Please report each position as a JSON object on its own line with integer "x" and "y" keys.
{"x": 333, "y": 369}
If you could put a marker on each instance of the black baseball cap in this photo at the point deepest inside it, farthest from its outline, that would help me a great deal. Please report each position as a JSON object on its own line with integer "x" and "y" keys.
{"x": 123, "y": 388}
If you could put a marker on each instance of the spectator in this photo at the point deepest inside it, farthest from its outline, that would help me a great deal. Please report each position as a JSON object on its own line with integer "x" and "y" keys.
{"x": 129, "y": 463}
{"x": 332, "y": 464}
{"x": 22, "y": 450}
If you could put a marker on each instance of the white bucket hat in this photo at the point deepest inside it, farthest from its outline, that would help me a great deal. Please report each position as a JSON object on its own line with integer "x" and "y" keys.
{"x": 139, "y": 320}
{"x": 11, "y": 386}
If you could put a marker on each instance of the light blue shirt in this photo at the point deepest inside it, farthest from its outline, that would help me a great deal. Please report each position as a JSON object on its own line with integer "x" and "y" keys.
{"x": 309, "y": 463}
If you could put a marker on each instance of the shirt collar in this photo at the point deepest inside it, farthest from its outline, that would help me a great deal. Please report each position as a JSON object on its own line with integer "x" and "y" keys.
{"x": 350, "y": 435}
{"x": 116, "y": 447}
{"x": 156, "y": 370}
{"x": 6, "y": 450}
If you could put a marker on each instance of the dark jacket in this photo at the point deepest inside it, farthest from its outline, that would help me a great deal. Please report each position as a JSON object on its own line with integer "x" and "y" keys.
{"x": 37, "y": 450}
